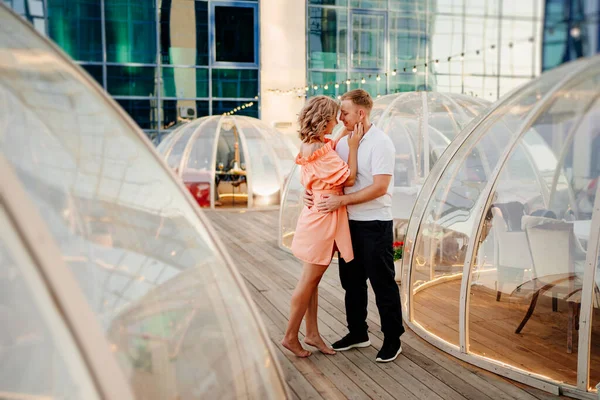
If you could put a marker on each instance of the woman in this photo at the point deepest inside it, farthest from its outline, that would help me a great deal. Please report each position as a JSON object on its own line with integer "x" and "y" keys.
{"x": 318, "y": 235}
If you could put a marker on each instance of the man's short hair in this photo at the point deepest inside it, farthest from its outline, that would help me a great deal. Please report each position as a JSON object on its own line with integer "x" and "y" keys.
{"x": 359, "y": 97}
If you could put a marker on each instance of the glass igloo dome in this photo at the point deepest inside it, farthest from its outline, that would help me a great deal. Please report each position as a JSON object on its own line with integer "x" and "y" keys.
{"x": 421, "y": 125}
{"x": 112, "y": 284}
{"x": 501, "y": 260}
{"x": 230, "y": 161}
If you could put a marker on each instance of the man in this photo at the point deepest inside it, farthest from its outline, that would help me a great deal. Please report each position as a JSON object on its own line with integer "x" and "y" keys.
{"x": 369, "y": 204}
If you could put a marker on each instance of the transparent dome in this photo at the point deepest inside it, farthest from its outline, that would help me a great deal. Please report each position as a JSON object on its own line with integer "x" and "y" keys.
{"x": 421, "y": 125}
{"x": 231, "y": 161}
{"x": 111, "y": 282}
{"x": 501, "y": 258}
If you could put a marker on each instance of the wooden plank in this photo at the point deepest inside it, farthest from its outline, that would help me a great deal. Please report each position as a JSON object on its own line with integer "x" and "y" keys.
{"x": 421, "y": 372}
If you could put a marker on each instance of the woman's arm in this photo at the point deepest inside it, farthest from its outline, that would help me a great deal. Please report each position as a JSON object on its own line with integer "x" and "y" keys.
{"x": 353, "y": 142}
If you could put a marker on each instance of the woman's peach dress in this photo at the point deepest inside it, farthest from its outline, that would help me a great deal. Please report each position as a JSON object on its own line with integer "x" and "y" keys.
{"x": 318, "y": 234}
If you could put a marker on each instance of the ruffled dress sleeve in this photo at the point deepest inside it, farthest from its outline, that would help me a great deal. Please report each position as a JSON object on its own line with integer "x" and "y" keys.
{"x": 326, "y": 165}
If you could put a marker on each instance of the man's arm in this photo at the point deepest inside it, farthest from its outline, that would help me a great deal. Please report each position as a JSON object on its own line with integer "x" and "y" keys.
{"x": 377, "y": 189}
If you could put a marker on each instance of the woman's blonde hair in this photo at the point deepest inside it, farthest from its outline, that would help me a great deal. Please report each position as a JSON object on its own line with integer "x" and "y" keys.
{"x": 315, "y": 116}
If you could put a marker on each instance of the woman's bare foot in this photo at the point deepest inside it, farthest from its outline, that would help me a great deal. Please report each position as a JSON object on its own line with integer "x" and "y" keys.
{"x": 319, "y": 344}
{"x": 295, "y": 347}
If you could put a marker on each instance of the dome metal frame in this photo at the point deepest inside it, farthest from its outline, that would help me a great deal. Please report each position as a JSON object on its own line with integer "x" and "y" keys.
{"x": 76, "y": 313}
{"x": 572, "y": 74}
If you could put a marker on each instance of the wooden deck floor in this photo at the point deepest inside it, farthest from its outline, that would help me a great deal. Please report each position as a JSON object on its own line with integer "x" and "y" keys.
{"x": 421, "y": 372}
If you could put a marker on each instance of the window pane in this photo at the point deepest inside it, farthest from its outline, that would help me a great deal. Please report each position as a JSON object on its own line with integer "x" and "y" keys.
{"x": 408, "y": 39}
{"x": 179, "y": 19}
{"x": 142, "y": 111}
{"x": 329, "y": 79}
{"x": 417, "y": 5}
{"x": 329, "y": 2}
{"x": 131, "y": 81}
{"x": 185, "y": 82}
{"x": 76, "y": 27}
{"x": 220, "y": 107}
{"x": 235, "y": 83}
{"x": 39, "y": 357}
{"x": 368, "y": 41}
{"x": 130, "y": 31}
{"x": 176, "y": 111}
{"x": 234, "y": 34}
{"x": 327, "y": 38}
{"x": 371, "y": 85}
{"x": 95, "y": 71}
{"x": 369, "y": 3}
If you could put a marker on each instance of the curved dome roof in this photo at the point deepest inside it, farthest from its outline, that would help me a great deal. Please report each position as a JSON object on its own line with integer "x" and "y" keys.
{"x": 501, "y": 260}
{"x": 103, "y": 256}
{"x": 230, "y": 160}
{"x": 421, "y": 125}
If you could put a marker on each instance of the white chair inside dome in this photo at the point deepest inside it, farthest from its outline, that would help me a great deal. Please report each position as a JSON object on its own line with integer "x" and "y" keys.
{"x": 502, "y": 261}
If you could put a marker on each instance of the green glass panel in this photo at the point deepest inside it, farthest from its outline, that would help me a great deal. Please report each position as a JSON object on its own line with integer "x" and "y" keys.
{"x": 130, "y": 31}
{"x": 369, "y": 3}
{"x": 75, "y": 25}
{"x": 96, "y": 72}
{"x": 408, "y": 39}
{"x": 330, "y": 2}
{"x": 371, "y": 85}
{"x": 235, "y": 83}
{"x": 329, "y": 79}
{"x": 130, "y": 81}
{"x": 407, "y": 82}
{"x": 185, "y": 82}
{"x": 327, "y": 43}
{"x": 142, "y": 111}
{"x": 184, "y": 32}
{"x": 220, "y": 107}
{"x": 368, "y": 40}
{"x": 418, "y": 6}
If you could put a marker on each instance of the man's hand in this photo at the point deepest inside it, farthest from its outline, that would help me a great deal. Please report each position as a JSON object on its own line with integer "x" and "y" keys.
{"x": 329, "y": 203}
{"x": 308, "y": 198}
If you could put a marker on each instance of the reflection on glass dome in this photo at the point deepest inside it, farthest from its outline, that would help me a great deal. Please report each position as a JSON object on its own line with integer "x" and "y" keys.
{"x": 421, "y": 125}
{"x": 501, "y": 258}
{"x": 231, "y": 161}
{"x": 170, "y": 311}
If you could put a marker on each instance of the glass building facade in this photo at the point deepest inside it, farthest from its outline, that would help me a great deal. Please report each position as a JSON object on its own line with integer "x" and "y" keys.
{"x": 571, "y": 31}
{"x": 479, "y": 47}
{"x": 163, "y": 61}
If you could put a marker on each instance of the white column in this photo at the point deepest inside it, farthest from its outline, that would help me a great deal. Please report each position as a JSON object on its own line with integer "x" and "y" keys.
{"x": 282, "y": 61}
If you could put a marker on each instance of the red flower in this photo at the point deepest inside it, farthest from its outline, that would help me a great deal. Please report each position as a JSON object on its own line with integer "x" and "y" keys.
{"x": 401, "y": 243}
{"x": 398, "y": 244}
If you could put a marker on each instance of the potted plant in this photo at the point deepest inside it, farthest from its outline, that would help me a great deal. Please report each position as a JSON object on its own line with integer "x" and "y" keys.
{"x": 398, "y": 251}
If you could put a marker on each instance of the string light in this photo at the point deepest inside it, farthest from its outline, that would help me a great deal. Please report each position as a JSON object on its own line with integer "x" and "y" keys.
{"x": 238, "y": 108}
{"x": 425, "y": 64}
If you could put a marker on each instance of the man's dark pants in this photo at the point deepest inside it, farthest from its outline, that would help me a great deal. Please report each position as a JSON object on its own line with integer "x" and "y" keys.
{"x": 373, "y": 259}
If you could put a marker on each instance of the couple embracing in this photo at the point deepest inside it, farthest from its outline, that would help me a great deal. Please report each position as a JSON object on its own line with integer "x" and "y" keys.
{"x": 348, "y": 208}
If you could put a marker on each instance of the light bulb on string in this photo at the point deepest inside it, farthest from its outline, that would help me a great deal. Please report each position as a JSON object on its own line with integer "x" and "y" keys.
{"x": 326, "y": 87}
{"x": 378, "y": 77}
{"x": 363, "y": 80}
{"x": 315, "y": 87}
{"x": 394, "y": 73}
{"x": 337, "y": 85}
{"x": 414, "y": 70}
{"x": 347, "y": 81}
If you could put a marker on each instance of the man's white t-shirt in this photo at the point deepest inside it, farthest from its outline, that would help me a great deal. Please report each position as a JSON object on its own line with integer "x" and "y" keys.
{"x": 376, "y": 156}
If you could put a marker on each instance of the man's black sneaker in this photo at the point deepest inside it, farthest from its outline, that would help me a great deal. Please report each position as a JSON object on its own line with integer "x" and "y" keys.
{"x": 351, "y": 341}
{"x": 390, "y": 350}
